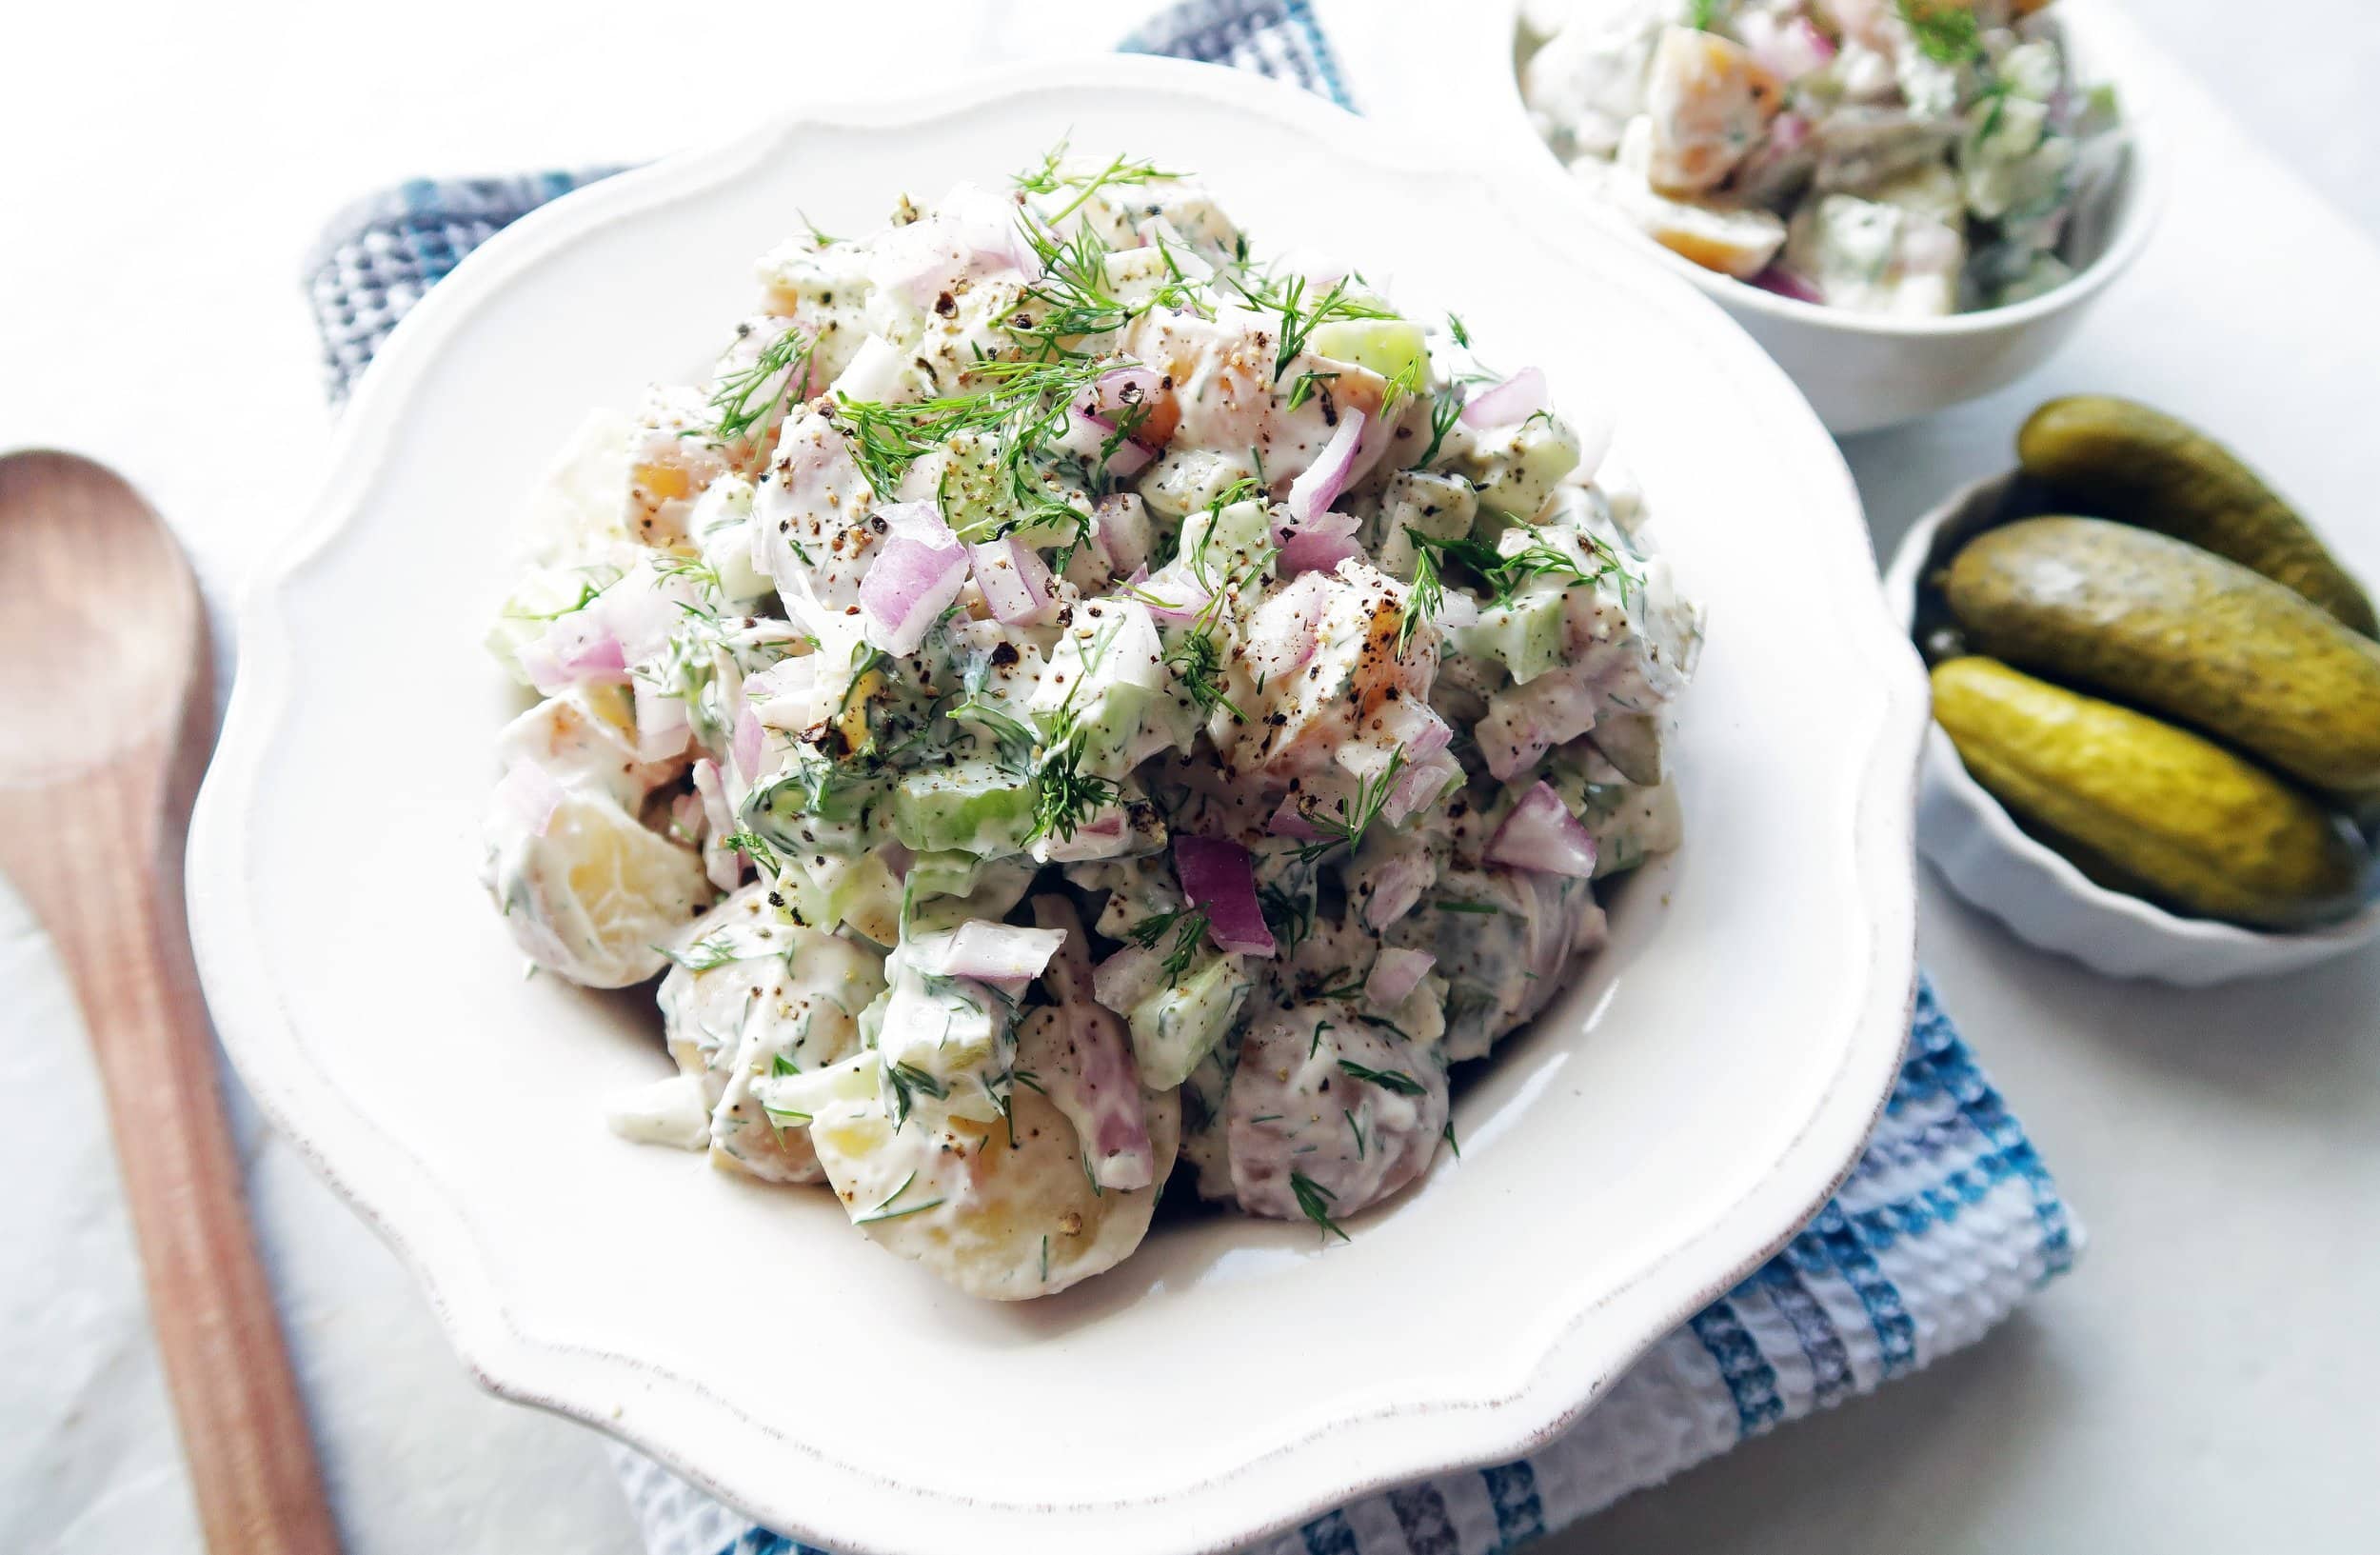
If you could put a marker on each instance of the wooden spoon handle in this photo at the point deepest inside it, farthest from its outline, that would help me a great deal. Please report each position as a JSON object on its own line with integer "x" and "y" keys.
{"x": 127, "y": 949}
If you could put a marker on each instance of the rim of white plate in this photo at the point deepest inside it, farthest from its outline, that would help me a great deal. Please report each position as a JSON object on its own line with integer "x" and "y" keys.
{"x": 675, "y": 1418}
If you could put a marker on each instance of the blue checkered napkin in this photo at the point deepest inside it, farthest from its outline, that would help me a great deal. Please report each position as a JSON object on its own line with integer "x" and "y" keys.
{"x": 1946, "y": 1222}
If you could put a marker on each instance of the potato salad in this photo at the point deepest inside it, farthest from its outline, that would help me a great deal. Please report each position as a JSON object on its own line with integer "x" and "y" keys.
{"x": 1064, "y": 704}
{"x": 1905, "y": 157}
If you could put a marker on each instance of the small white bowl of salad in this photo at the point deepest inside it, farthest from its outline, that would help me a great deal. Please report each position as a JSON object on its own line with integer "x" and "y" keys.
{"x": 1908, "y": 203}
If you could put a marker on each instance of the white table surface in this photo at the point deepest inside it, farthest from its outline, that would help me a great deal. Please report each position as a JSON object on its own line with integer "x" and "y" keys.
{"x": 2202, "y": 1383}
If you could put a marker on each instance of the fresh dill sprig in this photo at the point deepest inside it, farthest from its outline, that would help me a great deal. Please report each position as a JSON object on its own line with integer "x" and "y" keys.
{"x": 1314, "y": 1201}
{"x": 907, "y": 1082}
{"x": 1446, "y": 410}
{"x": 1199, "y": 663}
{"x": 748, "y": 396}
{"x": 1356, "y": 1126}
{"x": 1486, "y": 909}
{"x": 590, "y": 591}
{"x": 1403, "y": 384}
{"x": 709, "y": 951}
{"x": 1506, "y": 575}
{"x": 1702, "y": 15}
{"x": 1425, "y": 598}
{"x": 885, "y": 1211}
{"x": 1454, "y": 327}
{"x": 1396, "y": 1081}
{"x": 818, "y": 239}
{"x": 1050, "y": 177}
{"x": 752, "y": 845}
{"x": 1348, "y": 820}
{"x": 1305, "y": 384}
{"x": 1063, "y": 794}
{"x": 1188, "y": 925}
{"x": 1945, "y": 31}
{"x": 1297, "y": 320}
{"x": 1290, "y": 917}
{"x": 1448, "y": 1135}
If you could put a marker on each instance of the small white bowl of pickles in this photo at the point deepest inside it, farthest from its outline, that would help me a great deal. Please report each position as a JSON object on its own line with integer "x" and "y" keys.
{"x": 2157, "y": 703}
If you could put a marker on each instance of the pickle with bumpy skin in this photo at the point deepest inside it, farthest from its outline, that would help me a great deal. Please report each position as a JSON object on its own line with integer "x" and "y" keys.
{"x": 2139, "y": 466}
{"x": 2143, "y": 807}
{"x": 2179, "y": 631}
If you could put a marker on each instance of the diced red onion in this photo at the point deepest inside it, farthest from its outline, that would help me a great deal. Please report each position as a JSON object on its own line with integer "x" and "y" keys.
{"x": 1303, "y": 552}
{"x": 1120, "y": 522}
{"x": 1319, "y": 486}
{"x": 1540, "y": 835}
{"x": 529, "y": 795}
{"x": 1415, "y": 728}
{"x": 1127, "y": 977}
{"x": 914, "y": 577}
{"x": 662, "y": 729}
{"x": 1217, "y": 875}
{"x": 1015, "y": 582}
{"x": 1100, "y": 837}
{"x": 1288, "y": 821}
{"x": 1418, "y": 784}
{"x": 1785, "y": 283}
{"x": 1395, "y": 975}
{"x": 1508, "y": 404}
{"x": 1119, "y": 390}
{"x": 897, "y": 857}
{"x": 747, "y": 748}
{"x": 1174, "y": 594}
{"x": 780, "y": 694}
{"x": 1791, "y": 50}
{"x": 1397, "y": 884}
{"x": 1790, "y": 132}
{"x": 572, "y": 648}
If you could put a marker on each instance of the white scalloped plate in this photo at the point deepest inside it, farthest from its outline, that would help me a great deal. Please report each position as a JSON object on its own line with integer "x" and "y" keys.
{"x": 1669, "y": 1121}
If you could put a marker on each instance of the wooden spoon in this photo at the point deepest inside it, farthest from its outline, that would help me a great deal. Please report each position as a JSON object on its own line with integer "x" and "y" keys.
{"x": 106, "y": 713}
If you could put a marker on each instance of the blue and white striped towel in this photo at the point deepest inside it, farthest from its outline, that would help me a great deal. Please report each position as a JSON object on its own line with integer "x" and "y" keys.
{"x": 1948, "y": 1220}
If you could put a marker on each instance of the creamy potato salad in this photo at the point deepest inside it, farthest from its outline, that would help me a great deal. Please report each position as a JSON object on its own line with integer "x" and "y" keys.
{"x": 1064, "y": 704}
{"x": 1908, "y": 157}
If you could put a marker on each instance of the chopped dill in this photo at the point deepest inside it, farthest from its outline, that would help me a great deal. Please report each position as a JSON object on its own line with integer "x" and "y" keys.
{"x": 1188, "y": 927}
{"x": 1446, "y": 410}
{"x": 1426, "y": 597}
{"x": 1397, "y": 1080}
{"x": 1297, "y": 320}
{"x": 907, "y": 1082}
{"x": 752, "y": 845}
{"x": 1314, "y": 1201}
{"x": 1348, "y": 820}
{"x": 1063, "y": 794}
{"x": 748, "y": 396}
{"x": 1946, "y": 33}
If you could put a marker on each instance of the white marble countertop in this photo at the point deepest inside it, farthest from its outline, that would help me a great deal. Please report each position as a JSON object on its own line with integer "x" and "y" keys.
{"x": 2194, "y": 1386}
